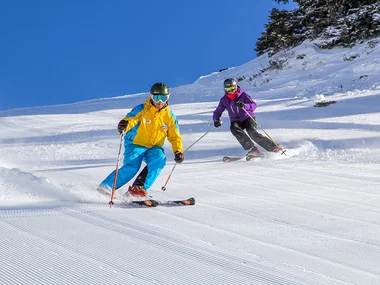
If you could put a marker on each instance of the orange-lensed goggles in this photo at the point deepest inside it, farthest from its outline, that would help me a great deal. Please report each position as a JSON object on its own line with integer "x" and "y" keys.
{"x": 230, "y": 89}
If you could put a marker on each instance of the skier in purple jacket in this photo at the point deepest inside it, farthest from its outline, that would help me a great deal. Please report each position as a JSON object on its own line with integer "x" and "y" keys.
{"x": 235, "y": 100}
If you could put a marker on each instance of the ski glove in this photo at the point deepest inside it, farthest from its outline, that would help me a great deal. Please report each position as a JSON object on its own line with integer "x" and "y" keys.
{"x": 122, "y": 125}
{"x": 240, "y": 104}
{"x": 217, "y": 123}
{"x": 179, "y": 157}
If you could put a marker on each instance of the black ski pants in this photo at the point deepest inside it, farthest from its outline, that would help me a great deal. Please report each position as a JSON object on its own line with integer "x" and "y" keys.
{"x": 247, "y": 139}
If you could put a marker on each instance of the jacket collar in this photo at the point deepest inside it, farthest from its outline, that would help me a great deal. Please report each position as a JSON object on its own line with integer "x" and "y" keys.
{"x": 233, "y": 96}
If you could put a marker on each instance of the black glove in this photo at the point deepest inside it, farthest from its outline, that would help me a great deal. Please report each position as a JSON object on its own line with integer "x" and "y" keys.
{"x": 240, "y": 104}
{"x": 179, "y": 157}
{"x": 217, "y": 123}
{"x": 122, "y": 125}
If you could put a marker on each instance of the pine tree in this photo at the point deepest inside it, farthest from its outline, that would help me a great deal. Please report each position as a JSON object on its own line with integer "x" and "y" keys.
{"x": 337, "y": 22}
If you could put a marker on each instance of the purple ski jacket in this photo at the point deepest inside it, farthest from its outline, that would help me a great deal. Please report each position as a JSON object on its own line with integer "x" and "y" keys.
{"x": 234, "y": 112}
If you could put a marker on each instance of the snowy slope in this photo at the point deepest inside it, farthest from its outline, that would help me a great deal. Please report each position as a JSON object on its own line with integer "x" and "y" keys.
{"x": 310, "y": 217}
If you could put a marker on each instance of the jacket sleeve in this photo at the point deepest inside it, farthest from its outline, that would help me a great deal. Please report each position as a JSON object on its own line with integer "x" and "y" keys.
{"x": 250, "y": 105}
{"x": 133, "y": 116}
{"x": 174, "y": 135}
{"x": 218, "y": 111}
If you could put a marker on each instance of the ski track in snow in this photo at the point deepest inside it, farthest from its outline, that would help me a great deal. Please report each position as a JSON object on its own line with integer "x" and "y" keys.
{"x": 309, "y": 230}
{"x": 94, "y": 254}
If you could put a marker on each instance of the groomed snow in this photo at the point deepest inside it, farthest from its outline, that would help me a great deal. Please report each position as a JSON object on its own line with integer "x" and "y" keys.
{"x": 310, "y": 217}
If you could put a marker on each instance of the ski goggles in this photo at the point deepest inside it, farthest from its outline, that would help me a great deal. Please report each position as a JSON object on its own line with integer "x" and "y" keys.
{"x": 160, "y": 98}
{"x": 230, "y": 89}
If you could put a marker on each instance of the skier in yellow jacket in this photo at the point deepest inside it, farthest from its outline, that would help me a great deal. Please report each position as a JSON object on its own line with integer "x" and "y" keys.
{"x": 145, "y": 129}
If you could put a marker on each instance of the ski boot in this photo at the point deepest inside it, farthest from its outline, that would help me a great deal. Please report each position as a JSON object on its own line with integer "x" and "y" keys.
{"x": 254, "y": 150}
{"x": 137, "y": 191}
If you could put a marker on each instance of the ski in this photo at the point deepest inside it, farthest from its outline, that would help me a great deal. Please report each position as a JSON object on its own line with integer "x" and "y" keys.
{"x": 232, "y": 158}
{"x": 154, "y": 203}
{"x": 186, "y": 202}
{"x": 249, "y": 157}
{"x": 146, "y": 203}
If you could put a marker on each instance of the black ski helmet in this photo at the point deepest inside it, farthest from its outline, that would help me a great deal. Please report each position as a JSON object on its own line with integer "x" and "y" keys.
{"x": 230, "y": 82}
{"x": 230, "y": 85}
{"x": 159, "y": 88}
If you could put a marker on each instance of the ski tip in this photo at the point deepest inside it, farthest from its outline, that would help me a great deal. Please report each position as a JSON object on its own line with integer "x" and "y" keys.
{"x": 186, "y": 202}
{"x": 232, "y": 158}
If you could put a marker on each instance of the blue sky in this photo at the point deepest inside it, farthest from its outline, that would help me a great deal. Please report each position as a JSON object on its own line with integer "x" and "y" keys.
{"x": 65, "y": 51}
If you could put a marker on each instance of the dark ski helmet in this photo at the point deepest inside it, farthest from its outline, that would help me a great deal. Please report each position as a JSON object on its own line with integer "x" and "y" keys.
{"x": 159, "y": 88}
{"x": 230, "y": 85}
{"x": 159, "y": 92}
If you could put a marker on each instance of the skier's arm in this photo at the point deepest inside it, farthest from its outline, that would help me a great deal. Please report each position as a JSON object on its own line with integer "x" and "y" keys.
{"x": 249, "y": 104}
{"x": 133, "y": 117}
{"x": 174, "y": 135}
{"x": 218, "y": 111}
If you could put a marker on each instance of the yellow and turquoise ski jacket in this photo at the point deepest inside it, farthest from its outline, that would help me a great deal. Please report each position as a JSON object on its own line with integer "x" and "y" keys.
{"x": 149, "y": 126}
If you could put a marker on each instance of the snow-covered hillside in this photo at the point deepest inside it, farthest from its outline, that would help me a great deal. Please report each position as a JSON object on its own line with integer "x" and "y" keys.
{"x": 310, "y": 217}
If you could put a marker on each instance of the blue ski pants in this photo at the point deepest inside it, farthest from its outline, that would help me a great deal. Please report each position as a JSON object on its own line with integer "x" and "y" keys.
{"x": 134, "y": 155}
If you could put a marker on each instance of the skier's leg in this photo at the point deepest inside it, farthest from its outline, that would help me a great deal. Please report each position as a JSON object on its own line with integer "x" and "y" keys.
{"x": 237, "y": 130}
{"x": 261, "y": 140}
{"x": 155, "y": 159}
{"x": 133, "y": 157}
{"x": 140, "y": 179}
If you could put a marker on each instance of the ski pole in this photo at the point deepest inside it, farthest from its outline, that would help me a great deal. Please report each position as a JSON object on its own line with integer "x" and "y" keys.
{"x": 163, "y": 188}
{"x": 283, "y": 152}
{"x": 116, "y": 170}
